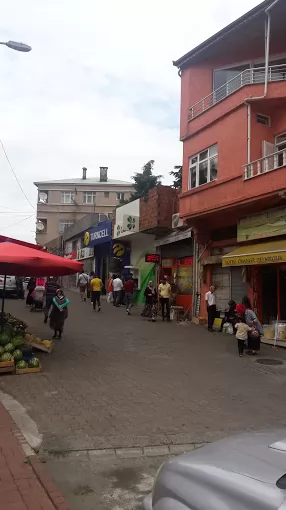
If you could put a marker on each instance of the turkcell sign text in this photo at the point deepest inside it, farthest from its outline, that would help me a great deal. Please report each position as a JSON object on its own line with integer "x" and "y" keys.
{"x": 99, "y": 234}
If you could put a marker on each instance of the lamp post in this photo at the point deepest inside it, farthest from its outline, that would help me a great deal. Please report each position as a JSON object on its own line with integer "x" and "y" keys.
{"x": 17, "y": 46}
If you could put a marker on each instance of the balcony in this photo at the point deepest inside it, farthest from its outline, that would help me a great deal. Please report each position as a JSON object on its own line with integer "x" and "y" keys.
{"x": 252, "y": 76}
{"x": 265, "y": 165}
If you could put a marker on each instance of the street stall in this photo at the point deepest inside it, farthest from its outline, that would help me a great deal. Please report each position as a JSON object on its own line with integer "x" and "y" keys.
{"x": 16, "y": 354}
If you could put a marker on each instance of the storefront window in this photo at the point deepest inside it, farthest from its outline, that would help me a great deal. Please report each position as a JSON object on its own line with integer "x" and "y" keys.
{"x": 185, "y": 280}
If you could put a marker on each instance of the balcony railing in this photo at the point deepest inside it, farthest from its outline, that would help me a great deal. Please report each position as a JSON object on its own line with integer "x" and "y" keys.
{"x": 247, "y": 77}
{"x": 265, "y": 165}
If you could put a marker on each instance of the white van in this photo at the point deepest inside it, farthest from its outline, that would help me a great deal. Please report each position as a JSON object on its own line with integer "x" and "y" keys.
{"x": 11, "y": 286}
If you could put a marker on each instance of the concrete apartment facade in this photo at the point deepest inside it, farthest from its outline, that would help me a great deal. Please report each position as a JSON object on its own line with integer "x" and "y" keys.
{"x": 233, "y": 129}
{"x": 61, "y": 203}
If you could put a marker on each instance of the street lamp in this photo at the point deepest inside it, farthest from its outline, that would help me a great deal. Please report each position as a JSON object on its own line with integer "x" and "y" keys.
{"x": 18, "y": 46}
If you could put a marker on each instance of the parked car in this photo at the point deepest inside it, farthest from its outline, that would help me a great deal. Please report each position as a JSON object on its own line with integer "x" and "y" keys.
{"x": 11, "y": 286}
{"x": 239, "y": 473}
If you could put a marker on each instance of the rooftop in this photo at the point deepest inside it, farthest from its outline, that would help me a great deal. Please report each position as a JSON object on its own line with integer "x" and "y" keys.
{"x": 85, "y": 182}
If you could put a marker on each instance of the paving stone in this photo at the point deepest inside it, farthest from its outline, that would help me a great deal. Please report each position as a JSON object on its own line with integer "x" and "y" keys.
{"x": 129, "y": 452}
{"x": 177, "y": 449}
{"x": 153, "y": 451}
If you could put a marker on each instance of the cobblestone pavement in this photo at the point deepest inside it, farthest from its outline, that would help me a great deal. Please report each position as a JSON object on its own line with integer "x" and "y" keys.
{"x": 117, "y": 381}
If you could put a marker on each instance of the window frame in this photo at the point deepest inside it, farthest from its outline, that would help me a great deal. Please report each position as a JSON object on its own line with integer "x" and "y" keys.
{"x": 106, "y": 194}
{"x": 120, "y": 195}
{"x": 63, "y": 197}
{"x": 263, "y": 116}
{"x": 93, "y": 197}
{"x": 196, "y": 166}
{"x": 68, "y": 223}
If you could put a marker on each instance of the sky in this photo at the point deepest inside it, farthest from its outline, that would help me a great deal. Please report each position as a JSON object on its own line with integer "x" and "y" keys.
{"x": 97, "y": 89}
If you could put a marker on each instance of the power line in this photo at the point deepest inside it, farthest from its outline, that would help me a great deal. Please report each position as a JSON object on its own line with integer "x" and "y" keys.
{"x": 6, "y": 156}
{"x": 17, "y": 223}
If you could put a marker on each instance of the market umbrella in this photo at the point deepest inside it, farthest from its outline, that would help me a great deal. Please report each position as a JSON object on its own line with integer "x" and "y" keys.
{"x": 18, "y": 260}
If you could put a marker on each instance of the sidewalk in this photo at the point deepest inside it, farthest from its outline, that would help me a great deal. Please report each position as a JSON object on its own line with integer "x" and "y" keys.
{"x": 24, "y": 483}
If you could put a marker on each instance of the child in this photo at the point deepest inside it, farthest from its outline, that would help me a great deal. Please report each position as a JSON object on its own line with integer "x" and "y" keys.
{"x": 242, "y": 330}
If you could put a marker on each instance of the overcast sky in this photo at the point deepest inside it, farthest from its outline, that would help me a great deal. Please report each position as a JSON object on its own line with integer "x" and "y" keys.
{"x": 98, "y": 88}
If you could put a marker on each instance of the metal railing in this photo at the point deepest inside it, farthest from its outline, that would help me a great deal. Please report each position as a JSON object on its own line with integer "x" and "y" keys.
{"x": 247, "y": 77}
{"x": 264, "y": 165}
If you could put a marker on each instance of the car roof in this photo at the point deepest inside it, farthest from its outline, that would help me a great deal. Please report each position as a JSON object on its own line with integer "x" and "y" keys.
{"x": 236, "y": 473}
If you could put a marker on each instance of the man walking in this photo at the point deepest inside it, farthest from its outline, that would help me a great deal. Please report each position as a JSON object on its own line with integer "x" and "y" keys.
{"x": 82, "y": 284}
{"x": 164, "y": 290}
{"x": 117, "y": 289}
{"x": 211, "y": 307}
{"x": 129, "y": 289}
{"x": 96, "y": 288}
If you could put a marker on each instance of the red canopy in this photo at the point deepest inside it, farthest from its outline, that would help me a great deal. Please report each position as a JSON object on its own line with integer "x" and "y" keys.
{"x": 19, "y": 260}
{"x": 22, "y": 243}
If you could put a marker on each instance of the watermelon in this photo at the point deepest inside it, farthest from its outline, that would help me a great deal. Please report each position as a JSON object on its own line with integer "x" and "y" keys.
{"x": 21, "y": 364}
{"x": 34, "y": 363}
{"x": 17, "y": 355}
{"x": 4, "y": 338}
{"x": 17, "y": 341}
{"x": 9, "y": 348}
{"x": 6, "y": 356}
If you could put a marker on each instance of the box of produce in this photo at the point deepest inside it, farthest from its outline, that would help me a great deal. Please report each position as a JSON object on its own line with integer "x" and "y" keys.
{"x": 6, "y": 363}
{"x": 28, "y": 367}
{"x": 38, "y": 343}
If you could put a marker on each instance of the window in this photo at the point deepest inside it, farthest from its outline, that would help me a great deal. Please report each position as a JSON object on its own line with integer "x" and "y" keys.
{"x": 120, "y": 196}
{"x": 67, "y": 197}
{"x": 280, "y": 142}
{"x": 64, "y": 224}
{"x": 43, "y": 197}
{"x": 106, "y": 194}
{"x": 263, "y": 119}
{"x": 203, "y": 167}
{"x": 110, "y": 215}
{"x": 226, "y": 81}
{"x": 89, "y": 197}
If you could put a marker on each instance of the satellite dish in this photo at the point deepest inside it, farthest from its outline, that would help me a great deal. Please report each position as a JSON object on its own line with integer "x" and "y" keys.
{"x": 40, "y": 226}
{"x": 43, "y": 197}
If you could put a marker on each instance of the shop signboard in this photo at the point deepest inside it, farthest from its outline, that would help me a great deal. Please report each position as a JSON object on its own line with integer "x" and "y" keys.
{"x": 85, "y": 253}
{"x": 152, "y": 257}
{"x": 130, "y": 223}
{"x": 269, "y": 224}
{"x": 98, "y": 235}
{"x": 254, "y": 259}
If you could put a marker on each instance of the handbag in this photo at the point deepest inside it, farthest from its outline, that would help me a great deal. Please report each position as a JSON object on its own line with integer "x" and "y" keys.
{"x": 255, "y": 333}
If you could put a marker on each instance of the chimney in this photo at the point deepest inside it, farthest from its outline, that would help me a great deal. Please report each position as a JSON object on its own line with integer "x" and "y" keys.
{"x": 84, "y": 170}
{"x": 103, "y": 173}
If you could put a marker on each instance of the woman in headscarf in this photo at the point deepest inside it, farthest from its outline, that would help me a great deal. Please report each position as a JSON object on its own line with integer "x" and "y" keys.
{"x": 30, "y": 288}
{"x": 150, "y": 308}
{"x": 59, "y": 313}
{"x": 252, "y": 321}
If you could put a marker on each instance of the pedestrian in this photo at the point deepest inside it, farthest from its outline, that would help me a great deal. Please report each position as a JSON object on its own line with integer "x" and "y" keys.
{"x": 164, "y": 295}
{"x": 117, "y": 289}
{"x": 251, "y": 319}
{"x": 129, "y": 286}
{"x": 151, "y": 300}
{"x": 58, "y": 313}
{"x": 82, "y": 283}
{"x": 88, "y": 291}
{"x": 230, "y": 316}
{"x": 19, "y": 287}
{"x": 211, "y": 307}
{"x": 109, "y": 289}
{"x": 96, "y": 288}
{"x": 51, "y": 291}
{"x": 30, "y": 288}
{"x": 242, "y": 330}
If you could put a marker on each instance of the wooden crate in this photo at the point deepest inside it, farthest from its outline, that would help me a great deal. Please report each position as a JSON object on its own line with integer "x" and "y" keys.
{"x": 20, "y": 371}
{"x": 41, "y": 347}
{"x": 7, "y": 366}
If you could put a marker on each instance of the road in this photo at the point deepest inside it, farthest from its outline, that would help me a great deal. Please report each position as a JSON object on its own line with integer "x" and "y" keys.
{"x": 117, "y": 385}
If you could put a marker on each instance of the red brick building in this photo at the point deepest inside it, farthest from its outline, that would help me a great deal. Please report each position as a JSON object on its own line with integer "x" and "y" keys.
{"x": 233, "y": 129}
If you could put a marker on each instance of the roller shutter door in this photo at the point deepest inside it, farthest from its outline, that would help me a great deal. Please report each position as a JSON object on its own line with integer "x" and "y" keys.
{"x": 238, "y": 287}
{"x": 221, "y": 281}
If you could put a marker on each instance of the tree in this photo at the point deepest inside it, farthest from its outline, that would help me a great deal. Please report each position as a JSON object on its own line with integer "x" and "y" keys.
{"x": 177, "y": 174}
{"x": 144, "y": 181}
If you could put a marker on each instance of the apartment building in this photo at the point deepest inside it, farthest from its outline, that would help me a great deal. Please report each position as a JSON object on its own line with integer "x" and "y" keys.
{"x": 233, "y": 130}
{"x": 61, "y": 203}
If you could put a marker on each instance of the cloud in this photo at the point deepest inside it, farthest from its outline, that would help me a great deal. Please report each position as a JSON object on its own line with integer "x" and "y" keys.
{"x": 97, "y": 89}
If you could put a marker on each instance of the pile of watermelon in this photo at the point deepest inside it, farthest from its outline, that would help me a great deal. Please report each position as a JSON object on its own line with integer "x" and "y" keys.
{"x": 10, "y": 347}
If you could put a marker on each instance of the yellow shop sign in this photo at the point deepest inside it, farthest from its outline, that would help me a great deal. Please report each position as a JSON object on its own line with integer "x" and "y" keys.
{"x": 255, "y": 255}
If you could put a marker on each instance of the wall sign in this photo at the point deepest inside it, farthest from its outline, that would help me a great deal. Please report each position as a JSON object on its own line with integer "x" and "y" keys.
{"x": 99, "y": 234}
{"x": 152, "y": 257}
{"x": 269, "y": 224}
{"x": 185, "y": 261}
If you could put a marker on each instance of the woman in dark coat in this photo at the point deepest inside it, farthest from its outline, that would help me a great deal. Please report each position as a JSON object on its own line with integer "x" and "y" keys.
{"x": 58, "y": 313}
{"x": 251, "y": 320}
{"x": 30, "y": 288}
{"x": 150, "y": 308}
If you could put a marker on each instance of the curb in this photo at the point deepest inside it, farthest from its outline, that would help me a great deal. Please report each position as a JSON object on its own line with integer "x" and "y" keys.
{"x": 47, "y": 483}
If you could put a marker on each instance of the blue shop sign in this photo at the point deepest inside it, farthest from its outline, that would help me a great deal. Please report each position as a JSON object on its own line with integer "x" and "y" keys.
{"x": 100, "y": 234}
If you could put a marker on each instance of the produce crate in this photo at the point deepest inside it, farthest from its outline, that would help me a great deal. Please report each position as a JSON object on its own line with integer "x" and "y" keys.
{"x": 41, "y": 347}
{"x": 7, "y": 366}
{"x": 20, "y": 371}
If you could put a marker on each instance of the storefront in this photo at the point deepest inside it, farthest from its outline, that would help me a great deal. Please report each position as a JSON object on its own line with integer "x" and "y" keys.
{"x": 99, "y": 239}
{"x": 176, "y": 251}
{"x": 86, "y": 256}
{"x": 265, "y": 263}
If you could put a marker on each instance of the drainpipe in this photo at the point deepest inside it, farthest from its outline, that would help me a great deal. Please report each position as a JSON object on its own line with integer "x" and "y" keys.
{"x": 246, "y": 101}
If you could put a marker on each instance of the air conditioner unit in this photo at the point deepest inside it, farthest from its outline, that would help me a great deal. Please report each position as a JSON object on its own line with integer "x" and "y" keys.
{"x": 177, "y": 222}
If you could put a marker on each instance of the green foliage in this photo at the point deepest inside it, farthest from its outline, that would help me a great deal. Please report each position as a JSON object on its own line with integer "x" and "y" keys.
{"x": 177, "y": 174}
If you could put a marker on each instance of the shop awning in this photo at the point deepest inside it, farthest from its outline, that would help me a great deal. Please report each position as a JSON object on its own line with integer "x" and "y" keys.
{"x": 256, "y": 254}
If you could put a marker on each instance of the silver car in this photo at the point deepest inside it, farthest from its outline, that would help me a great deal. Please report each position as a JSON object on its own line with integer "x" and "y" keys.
{"x": 246, "y": 472}
{"x": 11, "y": 285}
